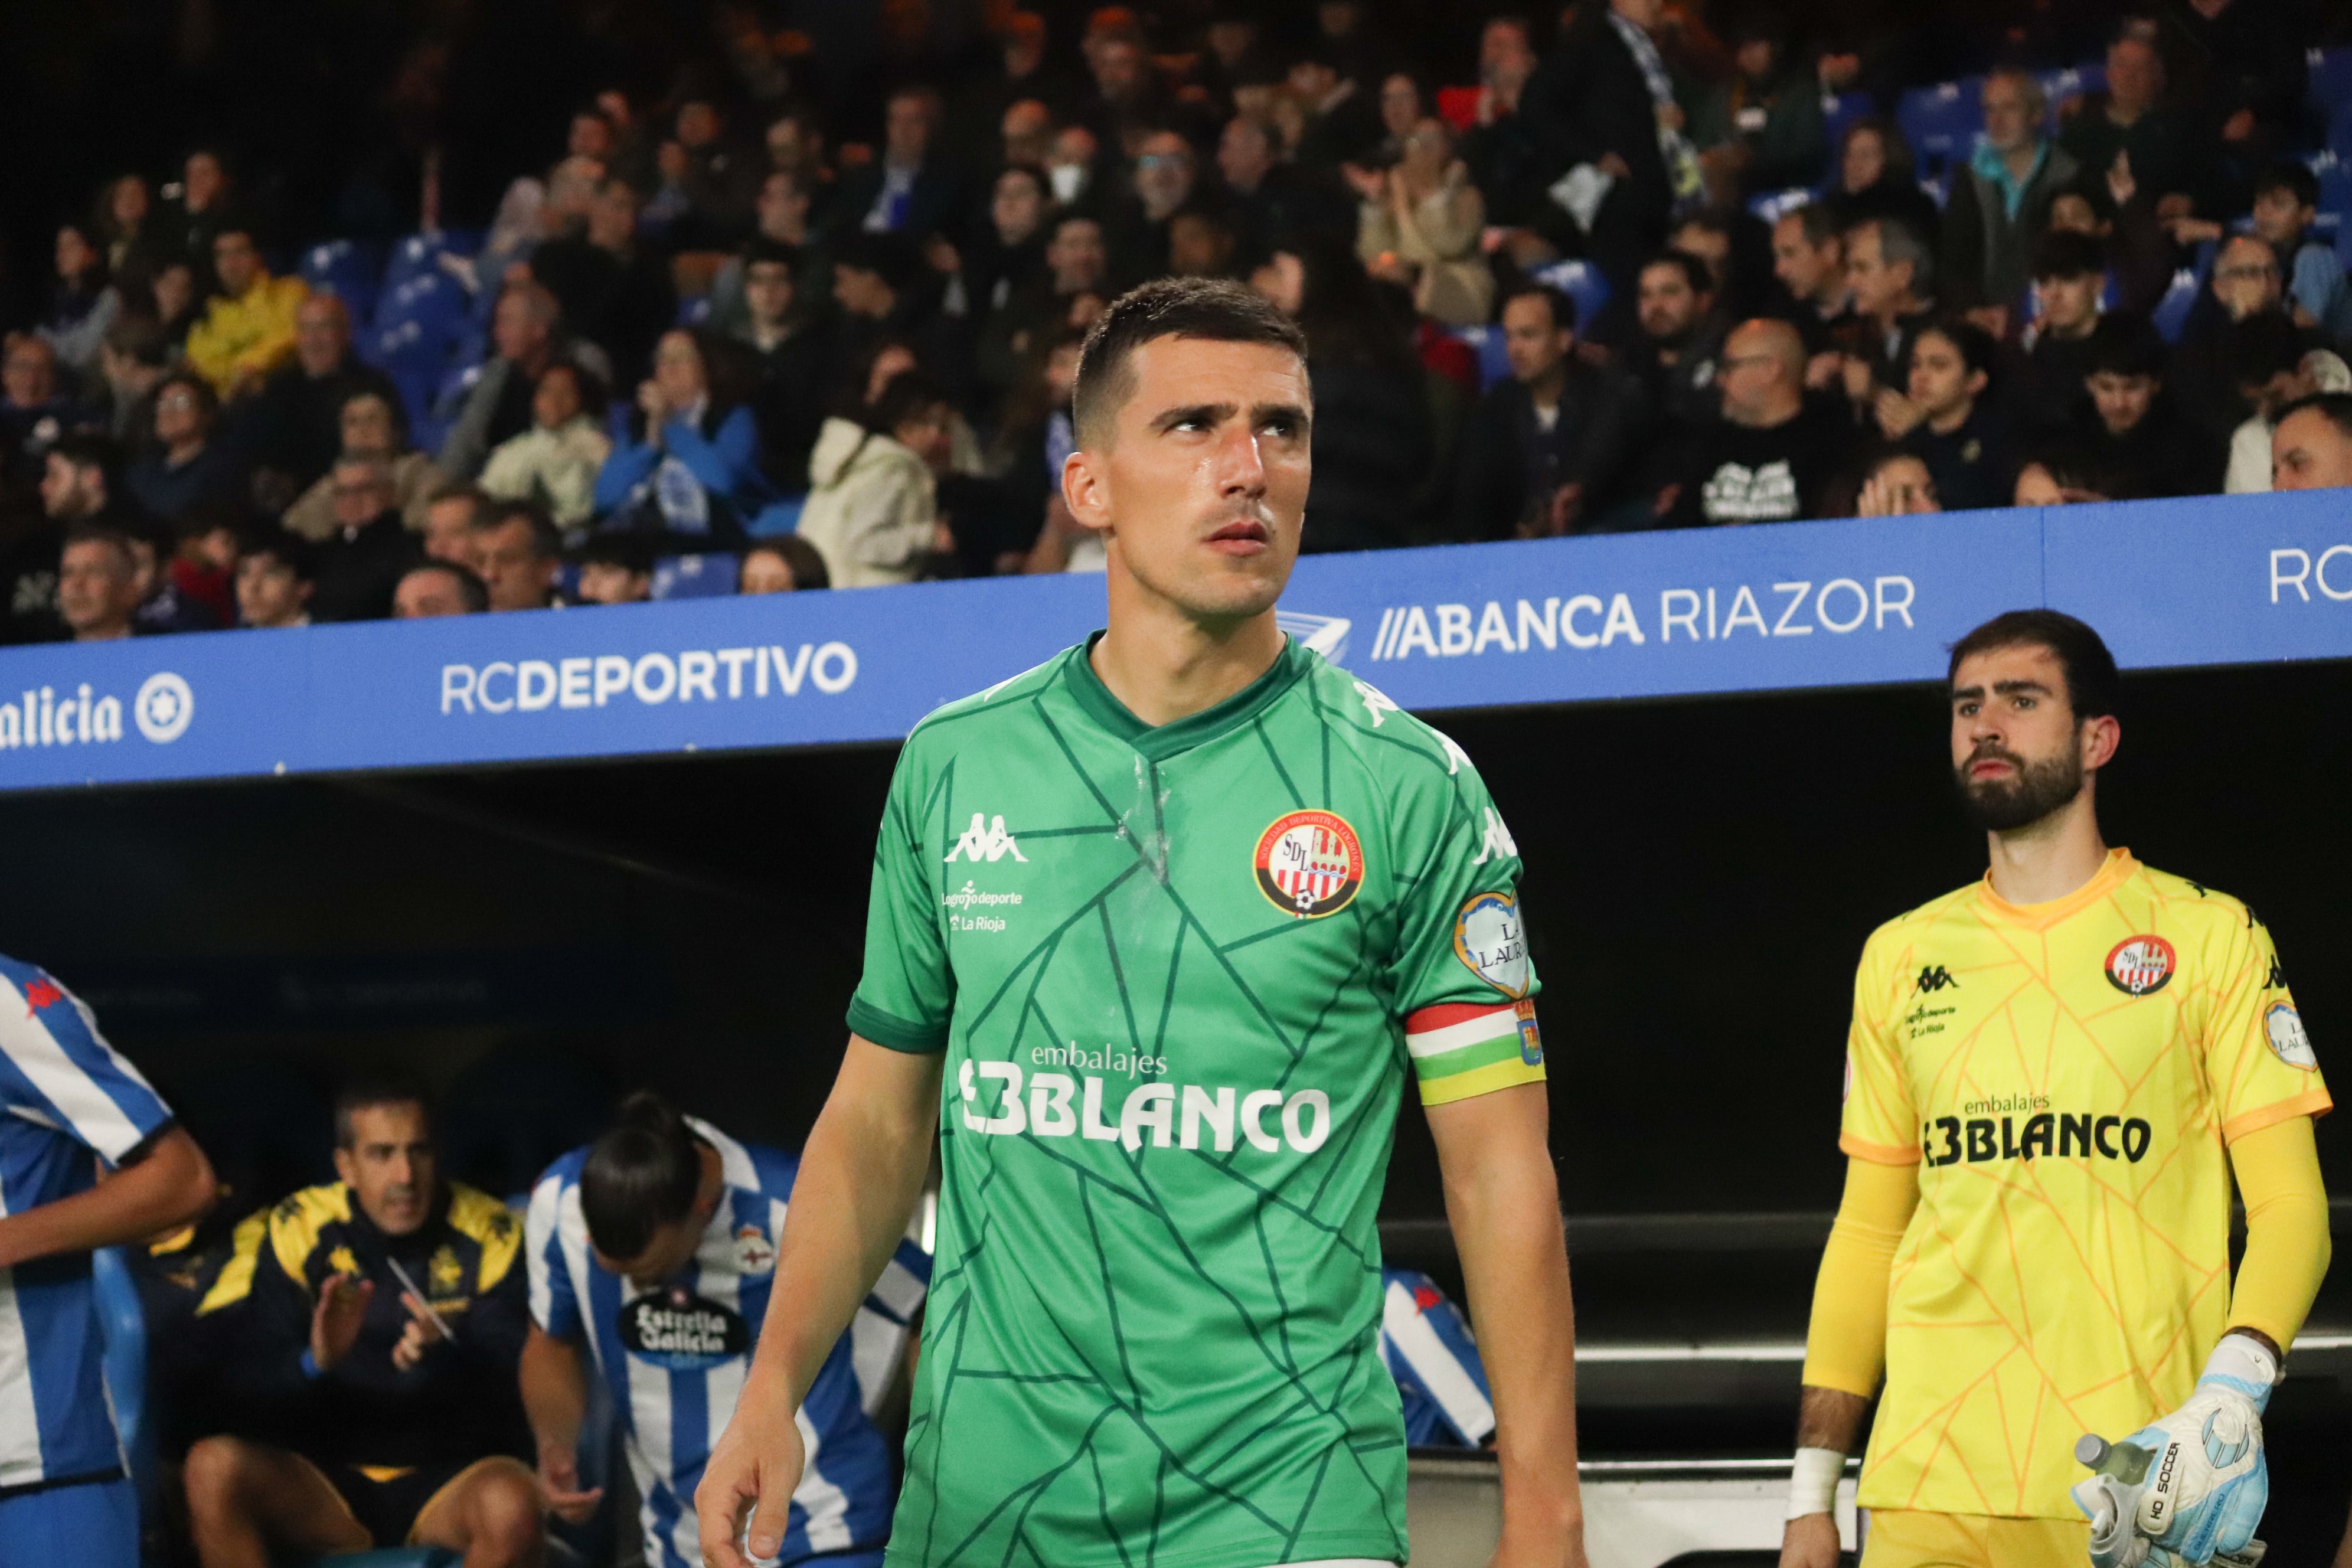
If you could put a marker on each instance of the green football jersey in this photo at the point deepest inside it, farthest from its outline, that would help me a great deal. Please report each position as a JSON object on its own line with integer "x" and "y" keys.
{"x": 1180, "y": 976}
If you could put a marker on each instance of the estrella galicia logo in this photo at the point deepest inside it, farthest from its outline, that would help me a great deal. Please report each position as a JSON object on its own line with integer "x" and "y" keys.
{"x": 163, "y": 707}
{"x": 680, "y": 1331}
{"x": 1933, "y": 978}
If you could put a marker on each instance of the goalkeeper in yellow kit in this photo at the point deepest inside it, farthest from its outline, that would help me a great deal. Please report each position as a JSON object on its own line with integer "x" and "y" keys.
{"x": 2051, "y": 1078}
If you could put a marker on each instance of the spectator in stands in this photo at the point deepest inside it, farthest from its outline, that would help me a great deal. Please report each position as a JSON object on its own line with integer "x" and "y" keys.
{"x": 297, "y": 421}
{"x": 785, "y": 565}
{"x": 879, "y": 286}
{"x": 526, "y": 331}
{"x": 2274, "y": 368}
{"x": 1128, "y": 101}
{"x": 556, "y": 461}
{"x": 873, "y": 505}
{"x": 182, "y": 464}
{"x": 78, "y": 484}
{"x": 1372, "y": 442}
{"x": 1419, "y": 224}
{"x": 382, "y": 1320}
{"x": 910, "y": 189}
{"x": 518, "y": 552}
{"x": 690, "y": 463}
{"x": 2242, "y": 66}
{"x": 1603, "y": 103}
{"x": 135, "y": 360}
{"x": 1962, "y": 437}
{"x": 1893, "y": 276}
{"x": 2045, "y": 380}
{"x": 1072, "y": 290}
{"x": 2126, "y": 125}
{"x": 2248, "y": 283}
{"x": 1897, "y": 483}
{"x": 1551, "y": 445}
{"x": 204, "y": 209}
{"x": 2138, "y": 431}
{"x": 1070, "y": 165}
{"x": 376, "y": 427}
{"x": 2286, "y": 206}
{"x": 1999, "y": 201}
{"x": 1875, "y": 179}
{"x": 2312, "y": 449}
{"x": 363, "y": 556}
{"x": 450, "y": 517}
{"x": 616, "y": 569}
{"x": 1273, "y": 197}
{"x": 437, "y": 588}
{"x": 1165, "y": 174}
{"x": 2114, "y": 212}
{"x": 2063, "y": 475}
{"x": 1760, "y": 128}
{"x": 716, "y": 184}
{"x": 1201, "y": 242}
{"x": 83, "y": 302}
{"x": 1808, "y": 259}
{"x": 177, "y": 304}
{"x": 249, "y": 328}
{"x": 120, "y": 223}
{"x": 1772, "y": 456}
{"x": 34, "y": 410}
{"x": 792, "y": 350}
{"x": 275, "y": 580}
{"x": 1675, "y": 357}
{"x": 781, "y": 216}
{"x": 613, "y": 287}
{"x": 1508, "y": 161}
{"x": 163, "y": 574}
{"x": 98, "y": 586}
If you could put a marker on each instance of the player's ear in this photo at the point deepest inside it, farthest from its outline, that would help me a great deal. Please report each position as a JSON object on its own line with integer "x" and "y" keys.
{"x": 2101, "y": 738}
{"x": 1085, "y": 489}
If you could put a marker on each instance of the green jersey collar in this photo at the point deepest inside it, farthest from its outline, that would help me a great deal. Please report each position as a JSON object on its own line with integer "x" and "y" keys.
{"x": 1158, "y": 743}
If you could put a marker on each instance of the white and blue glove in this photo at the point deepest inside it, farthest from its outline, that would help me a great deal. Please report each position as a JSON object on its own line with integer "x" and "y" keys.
{"x": 2190, "y": 1487}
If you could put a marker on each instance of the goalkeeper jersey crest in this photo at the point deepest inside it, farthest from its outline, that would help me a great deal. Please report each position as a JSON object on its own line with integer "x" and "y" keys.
{"x": 2067, "y": 1077}
{"x": 1180, "y": 976}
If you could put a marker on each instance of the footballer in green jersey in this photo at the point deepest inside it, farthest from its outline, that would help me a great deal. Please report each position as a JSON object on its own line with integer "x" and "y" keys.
{"x": 1158, "y": 932}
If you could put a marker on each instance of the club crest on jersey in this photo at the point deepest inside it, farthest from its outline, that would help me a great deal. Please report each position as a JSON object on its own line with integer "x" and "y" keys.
{"x": 680, "y": 1331}
{"x": 1309, "y": 863}
{"x": 1489, "y": 937}
{"x": 754, "y": 1252}
{"x": 2140, "y": 965}
{"x": 2288, "y": 1039}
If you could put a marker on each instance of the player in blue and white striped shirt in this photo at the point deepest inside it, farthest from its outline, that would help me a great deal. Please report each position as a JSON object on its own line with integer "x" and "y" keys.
{"x": 1428, "y": 1349}
{"x": 656, "y": 1244}
{"x": 68, "y": 1102}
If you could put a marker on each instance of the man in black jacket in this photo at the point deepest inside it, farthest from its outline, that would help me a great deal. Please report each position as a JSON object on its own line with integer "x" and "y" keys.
{"x": 1590, "y": 102}
{"x": 1773, "y": 456}
{"x": 1550, "y": 447}
{"x": 297, "y": 422}
{"x": 2138, "y": 429}
{"x": 360, "y": 563}
{"x": 381, "y": 1320}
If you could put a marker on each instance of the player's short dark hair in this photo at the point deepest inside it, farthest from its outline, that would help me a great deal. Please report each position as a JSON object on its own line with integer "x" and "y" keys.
{"x": 1212, "y": 310}
{"x": 638, "y": 1177}
{"x": 546, "y": 539}
{"x": 1977, "y": 348}
{"x": 289, "y": 549}
{"x": 2293, "y": 177}
{"x": 2064, "y": 253}
{"x": 1563, "y": 308}
{"x": 2124, "y": 344}
{"x": 2094, "y": 689}
{"x": 365, "y": 1091}
{"x": 2337, "y": 406}
{"x": 1695, "y": 271}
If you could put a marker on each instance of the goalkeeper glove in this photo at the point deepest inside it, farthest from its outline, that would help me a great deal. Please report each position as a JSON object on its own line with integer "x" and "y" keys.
{"x": 2191, "y": 1486}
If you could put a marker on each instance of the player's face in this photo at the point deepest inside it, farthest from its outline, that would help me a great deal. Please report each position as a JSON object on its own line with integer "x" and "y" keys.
{"x": 2018, "y": 752}
{"x": 1202, "y": 486}
{"x": 390, "y": 1167}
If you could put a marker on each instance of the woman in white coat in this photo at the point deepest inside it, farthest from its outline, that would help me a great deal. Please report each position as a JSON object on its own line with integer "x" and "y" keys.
{"x": 873, "y": 502}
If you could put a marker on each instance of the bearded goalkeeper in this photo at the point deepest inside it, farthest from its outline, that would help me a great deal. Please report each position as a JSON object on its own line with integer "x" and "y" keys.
{"x": 2054, "y": 1076}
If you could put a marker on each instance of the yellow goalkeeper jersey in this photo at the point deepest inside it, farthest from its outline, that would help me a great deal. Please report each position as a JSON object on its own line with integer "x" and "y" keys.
{"x": 2067, "y": 1076}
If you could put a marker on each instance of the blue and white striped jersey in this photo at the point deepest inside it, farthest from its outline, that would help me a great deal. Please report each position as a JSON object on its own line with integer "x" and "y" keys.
{"x": 67, "y": 1101}
{"x": 675, "y": 1357}
{"x": 1428, "y": 1351}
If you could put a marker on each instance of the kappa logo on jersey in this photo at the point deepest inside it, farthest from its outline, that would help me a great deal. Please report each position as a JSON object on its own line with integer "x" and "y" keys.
{"x": 1496, "y": 840}
{"x": 986, "y": 839}
{"x": 2140, "y": 965}
{"x": 1310, "y": 863}
{"x": 754, "y": 1252}
{"x": 42, "y": 993}
{"x": 1489, "y": 937}
{"x": 680, "y": 1331}
{"x": 1932, "y": 979}
{"x": 2276, "y": 979}
{"x": 2289, "y": 1042}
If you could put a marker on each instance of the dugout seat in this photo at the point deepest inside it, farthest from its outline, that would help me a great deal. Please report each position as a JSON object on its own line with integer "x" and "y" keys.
{"x": 515, "y": 1111}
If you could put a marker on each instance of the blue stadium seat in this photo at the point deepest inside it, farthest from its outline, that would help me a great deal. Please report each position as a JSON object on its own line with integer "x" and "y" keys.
{"x": 2058, "y": 86}
{"x": 1581, "y": 281}
{"x": 1771, "y": 206}
{"x": 420, "y": 254}
{"x": 778, "y": 517}
{"x": 2171, "y": 314}
{"x": 1486, "y": 342}
{"x": 345, "y": 268}
{"x": 2330, "y": 79}
{"x": 1941, "y": 123}
{"x": 708, "y": 576}
{"x": 1839, "y": 110}
{"x": 435, "y": 301}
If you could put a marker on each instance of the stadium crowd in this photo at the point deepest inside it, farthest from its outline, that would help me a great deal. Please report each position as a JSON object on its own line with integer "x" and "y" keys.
{"x": 1623, "y": 265}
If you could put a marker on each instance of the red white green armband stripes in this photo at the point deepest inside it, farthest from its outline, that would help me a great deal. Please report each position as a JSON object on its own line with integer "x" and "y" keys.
{"x": 1463, "y": 1050}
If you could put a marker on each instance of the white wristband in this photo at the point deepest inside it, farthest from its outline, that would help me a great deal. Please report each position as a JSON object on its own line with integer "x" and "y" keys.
{"x": 1813, "y": 1481}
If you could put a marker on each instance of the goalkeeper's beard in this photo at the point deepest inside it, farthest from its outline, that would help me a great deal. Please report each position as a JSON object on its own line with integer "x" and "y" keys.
{"x": 2034, "y": 791}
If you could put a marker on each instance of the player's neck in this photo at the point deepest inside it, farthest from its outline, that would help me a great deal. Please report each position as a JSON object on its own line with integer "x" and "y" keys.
{"x": 2044, "y": 861}
{"x": 1163, "y": 664}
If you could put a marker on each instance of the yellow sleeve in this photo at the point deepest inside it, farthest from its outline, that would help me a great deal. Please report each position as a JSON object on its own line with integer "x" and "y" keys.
{"x": 1845, "y": 1341}
{"x": 1878, "y": 1123}
{"x": 2258, "y": 1057}
{"x": 209, "y": 356}
{"x": 2277, "y": 1169}
{"x": 281, "y": 300}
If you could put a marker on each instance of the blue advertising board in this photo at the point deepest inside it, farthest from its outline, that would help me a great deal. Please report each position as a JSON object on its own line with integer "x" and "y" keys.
{"x": 1856, "y": 603}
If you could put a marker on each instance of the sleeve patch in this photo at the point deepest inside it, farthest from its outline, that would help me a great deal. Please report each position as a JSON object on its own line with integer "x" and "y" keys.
{"x": 1460, "y": 1050}
{"x": 1491, "y": 939}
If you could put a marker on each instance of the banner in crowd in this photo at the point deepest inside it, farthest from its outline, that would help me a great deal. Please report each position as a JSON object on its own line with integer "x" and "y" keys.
{"x": 1856, "y": 603}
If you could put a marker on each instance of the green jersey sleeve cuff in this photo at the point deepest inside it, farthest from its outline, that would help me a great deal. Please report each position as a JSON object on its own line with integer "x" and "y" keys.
{"x": 898, "y": 1034}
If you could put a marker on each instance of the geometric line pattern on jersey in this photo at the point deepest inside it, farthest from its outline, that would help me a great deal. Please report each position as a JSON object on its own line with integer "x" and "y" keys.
{"x": 1117, "y": 1386}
